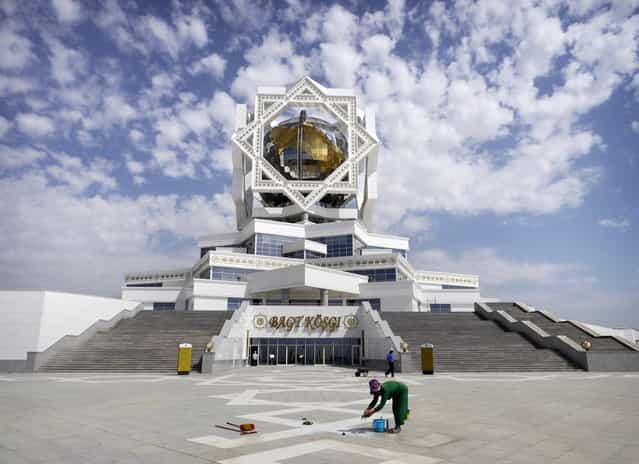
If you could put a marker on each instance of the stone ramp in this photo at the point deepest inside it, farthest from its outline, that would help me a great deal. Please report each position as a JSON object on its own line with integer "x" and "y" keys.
{"x": 147, "y": 342}
{"x": 602, "y": 343}
{"x": 466, "y": 343}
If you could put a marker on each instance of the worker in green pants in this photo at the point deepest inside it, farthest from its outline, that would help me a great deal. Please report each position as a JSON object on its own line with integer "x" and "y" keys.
{"x": 394, "y": 390}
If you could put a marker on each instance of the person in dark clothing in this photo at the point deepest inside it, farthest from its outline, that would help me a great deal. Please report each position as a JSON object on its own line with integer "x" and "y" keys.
{"x": 394, "y": 390}
{"x": 390, "y": 357}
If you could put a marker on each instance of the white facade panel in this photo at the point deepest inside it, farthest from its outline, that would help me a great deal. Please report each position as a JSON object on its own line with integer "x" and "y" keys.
{"x": 151, "y": 294}
{"x": 21, "y": 315}
{"x": 33, "y": 321}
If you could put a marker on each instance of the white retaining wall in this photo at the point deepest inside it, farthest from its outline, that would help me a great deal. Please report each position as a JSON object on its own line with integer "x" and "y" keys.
{"x": 35, "y": 320}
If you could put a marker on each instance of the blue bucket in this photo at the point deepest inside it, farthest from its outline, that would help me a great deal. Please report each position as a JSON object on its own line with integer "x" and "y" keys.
{"x": 378, "y": 425}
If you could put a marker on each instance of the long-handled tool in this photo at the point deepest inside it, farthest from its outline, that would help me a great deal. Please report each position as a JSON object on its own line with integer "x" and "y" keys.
{"x": 243, "y": 429}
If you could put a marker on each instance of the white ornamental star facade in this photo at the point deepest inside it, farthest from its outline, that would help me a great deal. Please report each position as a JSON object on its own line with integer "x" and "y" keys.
{"x": 304, "y": 153}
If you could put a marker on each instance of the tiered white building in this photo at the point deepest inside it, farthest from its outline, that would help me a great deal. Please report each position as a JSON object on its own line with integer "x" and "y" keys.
{"x": 305, "y": 181}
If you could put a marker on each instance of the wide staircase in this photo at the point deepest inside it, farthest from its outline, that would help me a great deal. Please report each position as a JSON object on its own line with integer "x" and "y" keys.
{"x": 567, "y": 328}
{"x": 466, "y": 343}
{"x": 147, "y": 342}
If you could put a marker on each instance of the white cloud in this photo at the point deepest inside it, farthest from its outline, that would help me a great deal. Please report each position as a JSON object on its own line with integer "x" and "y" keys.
{"x": 15, "y": 52}
{"x": 5, "y": 125}
{"x": 339, "y": 25}
{"x": 621, "y": 224}
{"x": 246, "y": 15}
{"x": 78, "y": 174}
{"x": 415, "y": 225}
{"x": 67, "y": 64}
{"x": 273, "y": 62}
{"x": 136, "y": 135}
{"x": 116, "y": 109}
{"x": 171, "y": 164}
{"x": 213, "y": 64}
{"x": 192, "y": 28}
{"x": 170, "y": 131}
{"x": 222, "y": 160}
{"x": 493, "y": 269}
{"x": 74, "y": 233}
{"x": 163, "y": 33}
{"x": 340, "y": 63}
{"x": 15, "y": 85}
{"x": 35, "y": 125}
{"x": 67, "y": 10}
{"x": 17, "y": 157}
{"x": 635, "y": 126}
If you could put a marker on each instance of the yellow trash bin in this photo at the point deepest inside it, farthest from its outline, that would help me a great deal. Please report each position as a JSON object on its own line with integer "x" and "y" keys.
{"x": 184, "y": 358}
{"x": 428, "y": 358}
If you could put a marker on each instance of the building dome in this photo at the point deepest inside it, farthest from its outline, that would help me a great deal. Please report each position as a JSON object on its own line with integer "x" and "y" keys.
{"x": 305, "y": 148}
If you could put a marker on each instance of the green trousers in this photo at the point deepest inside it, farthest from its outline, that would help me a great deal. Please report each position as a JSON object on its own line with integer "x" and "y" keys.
{"x": 400, "y": 405}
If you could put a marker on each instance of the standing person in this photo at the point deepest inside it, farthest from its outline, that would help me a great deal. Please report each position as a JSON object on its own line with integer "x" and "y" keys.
{"x": 394, "y": 390}
{"x": 390, "y": 357}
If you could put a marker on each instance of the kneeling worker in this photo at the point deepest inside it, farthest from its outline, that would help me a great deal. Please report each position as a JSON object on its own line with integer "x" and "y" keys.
{"x": 394, "y": 390}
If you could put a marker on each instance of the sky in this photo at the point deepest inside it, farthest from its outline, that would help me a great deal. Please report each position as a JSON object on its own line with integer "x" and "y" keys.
{"x": 509, "y": 135}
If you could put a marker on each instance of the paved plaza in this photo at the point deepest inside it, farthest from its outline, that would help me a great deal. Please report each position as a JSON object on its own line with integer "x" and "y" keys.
{"x": 456, "y": 418}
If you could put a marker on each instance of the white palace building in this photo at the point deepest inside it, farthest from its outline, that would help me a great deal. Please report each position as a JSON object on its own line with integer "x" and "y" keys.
{"x": 304, "y": 279}
{"x": 305, "y": 181}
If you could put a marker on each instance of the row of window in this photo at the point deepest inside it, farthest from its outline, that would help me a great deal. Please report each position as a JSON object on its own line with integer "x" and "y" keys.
{"x": 270, "y": 245}
{"x": 340, "y": 245}
{"x": 377, "y": 275}
{"x": 163, "y": 306}
{"x": 305, "y": 341}
{"x": 439, "y": 308}
{"x": 230, "y": 273}
{"x": 273, "y": 245}
{"x": 234, "y": 303}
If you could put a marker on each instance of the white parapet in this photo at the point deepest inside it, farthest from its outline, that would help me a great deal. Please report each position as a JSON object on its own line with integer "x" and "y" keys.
{"x": 33, "y": 321}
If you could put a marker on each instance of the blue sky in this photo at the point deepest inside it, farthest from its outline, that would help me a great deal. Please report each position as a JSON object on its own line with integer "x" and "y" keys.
{"x": 509, "y": 135}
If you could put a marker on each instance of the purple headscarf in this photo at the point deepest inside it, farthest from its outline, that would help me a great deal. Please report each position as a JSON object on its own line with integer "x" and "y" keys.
{"x": 374, "y": 386}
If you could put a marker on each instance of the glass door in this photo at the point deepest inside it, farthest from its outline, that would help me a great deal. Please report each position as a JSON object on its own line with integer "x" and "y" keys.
{"x": 310, "y": 354}
{"x": 356, "y": 360}
{"x": 290, "y": 355}
{"x": 319, "y": 354}
{"x": 272, "y": 355}
{"x": 281, "y": 354}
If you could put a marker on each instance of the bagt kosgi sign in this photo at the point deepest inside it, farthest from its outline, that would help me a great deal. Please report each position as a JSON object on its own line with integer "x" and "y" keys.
{"x": 313, "y": 322}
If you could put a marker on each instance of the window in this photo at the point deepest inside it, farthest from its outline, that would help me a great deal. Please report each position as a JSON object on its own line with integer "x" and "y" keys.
{"x": 439, "y": 308}
{"x": 313, "y": 255}
{"x": 233, "y": 304}
{"x": 375, "y": 303}
{"x": 299, "y": 254}
{"x": 230, "y": 273}
{"x": 270, "y": 245}
{"x": 456, "y": 287}
{"x": 377, "y": 275}
{"x": 340, "y": 245}
{"x": 152, "y": 284}
{"x": 163, "y": 306}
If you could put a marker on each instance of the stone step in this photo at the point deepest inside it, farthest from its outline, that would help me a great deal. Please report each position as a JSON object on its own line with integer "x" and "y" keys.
{"x": 147, "y": 342}
{"x": 463, "y": 342}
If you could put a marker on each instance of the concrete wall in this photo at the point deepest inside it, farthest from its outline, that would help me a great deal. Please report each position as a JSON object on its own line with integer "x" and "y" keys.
{"x": 151, "y": 294}
{"x": 631, "y": 335}
{"x": 20, "y": 316}
{"x": 33, "y": 321}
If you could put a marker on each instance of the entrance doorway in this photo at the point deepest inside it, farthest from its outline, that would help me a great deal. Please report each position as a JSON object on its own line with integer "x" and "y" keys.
{"x": 305, "y": 351}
